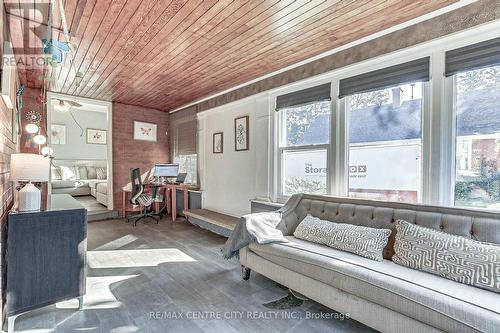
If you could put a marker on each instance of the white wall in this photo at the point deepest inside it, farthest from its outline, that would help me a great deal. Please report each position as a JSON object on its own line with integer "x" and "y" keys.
{"x": 231, "y": 179}
{"x": 76, "y": 146}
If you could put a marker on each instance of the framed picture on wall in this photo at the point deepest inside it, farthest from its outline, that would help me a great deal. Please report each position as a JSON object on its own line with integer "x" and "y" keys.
{"x": 144, "y": 131}
{"x": 241, "y": 133}
{"x": 218, "y": 143}
{"x": 96, "y": 136}
{"x": 57, "y": 134}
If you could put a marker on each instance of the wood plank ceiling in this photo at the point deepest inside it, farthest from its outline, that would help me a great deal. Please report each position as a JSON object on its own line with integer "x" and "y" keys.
{"x": 165, "y": 53}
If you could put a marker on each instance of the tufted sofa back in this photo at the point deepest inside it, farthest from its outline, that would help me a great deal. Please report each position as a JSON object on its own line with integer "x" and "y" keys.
{"x": 483, "y": 226}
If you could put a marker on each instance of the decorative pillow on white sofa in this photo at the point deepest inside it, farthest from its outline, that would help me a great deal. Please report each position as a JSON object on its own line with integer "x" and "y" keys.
{"x": 363, "y": 241}
{"x": 101, "y": 173}
{"x": 453, "y": 257}
{"x": 68, "y": 173}
{"x": 83, "y": 172}
{"x": 91, "y": 173}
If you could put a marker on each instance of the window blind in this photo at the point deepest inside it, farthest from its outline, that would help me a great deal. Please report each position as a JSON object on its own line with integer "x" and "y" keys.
{"x": 183, "y": 130}
{"x": 305, "y": 96}
{"x": 474, "y": 56}
{"x": 413, "y": 71}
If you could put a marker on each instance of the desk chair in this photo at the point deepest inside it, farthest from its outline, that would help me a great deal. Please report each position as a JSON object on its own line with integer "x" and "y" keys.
{"x": 139, "y": 197}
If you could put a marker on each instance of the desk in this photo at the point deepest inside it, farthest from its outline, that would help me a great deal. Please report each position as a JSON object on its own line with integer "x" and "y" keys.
{"x": 170, "y": 196}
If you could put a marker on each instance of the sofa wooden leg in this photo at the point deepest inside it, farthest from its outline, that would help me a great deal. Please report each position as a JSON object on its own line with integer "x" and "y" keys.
{"x": 245, "y": 272}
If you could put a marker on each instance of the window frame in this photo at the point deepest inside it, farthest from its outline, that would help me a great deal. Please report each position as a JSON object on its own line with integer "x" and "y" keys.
{"x": 450, "y": 91}
{"x": 282, "y": 149}
{"x": 424, "y": 112}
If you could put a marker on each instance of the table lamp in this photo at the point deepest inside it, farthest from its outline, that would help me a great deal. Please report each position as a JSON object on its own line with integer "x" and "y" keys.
{"x": 29, "y": 168}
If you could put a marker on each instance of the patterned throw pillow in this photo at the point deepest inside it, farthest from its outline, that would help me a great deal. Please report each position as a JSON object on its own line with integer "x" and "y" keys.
{"x": 363, "y": 241}
{"x": 453, "y": 257}
{"x": 314, "y": 230}
{"x": 101, "y": 173}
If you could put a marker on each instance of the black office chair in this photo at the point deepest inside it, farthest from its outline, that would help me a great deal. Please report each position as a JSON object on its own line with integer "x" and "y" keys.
{"x": 139, "y": 197}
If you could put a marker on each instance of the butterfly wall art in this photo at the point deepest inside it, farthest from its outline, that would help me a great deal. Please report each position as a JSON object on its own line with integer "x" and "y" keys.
{"x": 144, "y": 131}
{"x": 96, "y": 136}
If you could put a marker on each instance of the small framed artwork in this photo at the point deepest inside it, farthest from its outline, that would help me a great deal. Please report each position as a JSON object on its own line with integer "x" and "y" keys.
{"x": 218, "y": 143}
{"x": 58, "y": 134}
{"x": 144, "y": 131}
{"x": 96, "y": 136}
{"x": 241, "y": 133}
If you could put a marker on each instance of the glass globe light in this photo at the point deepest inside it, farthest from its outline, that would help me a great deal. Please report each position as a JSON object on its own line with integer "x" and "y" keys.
{"x": 40, "y": 139}
{"x": 32, "y": 128}
{"x": 47, "y": 151}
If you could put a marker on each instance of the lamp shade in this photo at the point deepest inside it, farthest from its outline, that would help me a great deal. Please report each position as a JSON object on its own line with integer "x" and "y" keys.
{"x": 29, "y": 167}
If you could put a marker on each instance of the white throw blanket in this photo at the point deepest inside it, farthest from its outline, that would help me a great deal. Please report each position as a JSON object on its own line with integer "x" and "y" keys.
{"x": 259, "y": 227}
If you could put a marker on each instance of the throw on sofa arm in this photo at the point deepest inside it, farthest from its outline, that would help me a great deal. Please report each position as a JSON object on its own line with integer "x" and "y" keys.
{"x": 261, "y": 228}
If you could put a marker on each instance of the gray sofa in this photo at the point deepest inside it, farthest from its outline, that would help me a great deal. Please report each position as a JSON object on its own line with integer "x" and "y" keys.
{"x": 383, "y": 295}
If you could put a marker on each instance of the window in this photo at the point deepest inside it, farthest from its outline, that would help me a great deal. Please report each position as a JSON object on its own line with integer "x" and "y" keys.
{"x": 183, "y": 137}
{"x": 385, "y": 143}
{"x": 477, "y": 166}
{"x": 189, "y": 164}
{"x": 304, "y": 147}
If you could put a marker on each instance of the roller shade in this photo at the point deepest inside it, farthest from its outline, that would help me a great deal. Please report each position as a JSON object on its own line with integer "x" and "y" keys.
{"x": 183, "y": 131}
{"x": 306, "y": 96}
{"x": 471, "y": 57}
{"x": 413, "y": 71}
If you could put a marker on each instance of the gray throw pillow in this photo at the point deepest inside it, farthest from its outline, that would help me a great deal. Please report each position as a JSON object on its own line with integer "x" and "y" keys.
{"x": 91, "y": 173}
{"x": 363, "y": 241}
{"x": 83, "y": 172}
{"x": 314, "y": 230}
{"x": 453, "y": 257}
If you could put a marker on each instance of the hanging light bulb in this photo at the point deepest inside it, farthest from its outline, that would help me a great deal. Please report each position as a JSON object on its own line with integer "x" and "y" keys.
{"x": 40, "y": 139}
{"x": 62, "y": 106}
{"x": 47, "y": 151}
{"x": 32, "y": 128}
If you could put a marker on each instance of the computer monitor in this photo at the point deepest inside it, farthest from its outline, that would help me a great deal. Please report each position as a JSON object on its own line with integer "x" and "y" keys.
{"x": 166, "y": 170}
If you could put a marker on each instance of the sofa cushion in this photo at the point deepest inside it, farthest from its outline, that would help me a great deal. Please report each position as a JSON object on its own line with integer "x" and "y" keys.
{"x": 445, "y": 304}
{"x": 93, "y": 183}
{"x": 453, "y": 257}
{"x": 82, "y": 171}
{"x": 68, "y": 184}
{"x": 91, "y": 173}
{"x": 363, "y": 241}
{"x": 102, "y": 188}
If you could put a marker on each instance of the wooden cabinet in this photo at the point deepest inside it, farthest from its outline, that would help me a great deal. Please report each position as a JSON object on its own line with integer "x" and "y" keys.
{"x": 43, "y": 258}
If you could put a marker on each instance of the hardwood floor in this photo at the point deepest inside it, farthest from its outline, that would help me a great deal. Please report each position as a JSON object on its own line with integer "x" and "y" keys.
{"x": 137, "y": 277}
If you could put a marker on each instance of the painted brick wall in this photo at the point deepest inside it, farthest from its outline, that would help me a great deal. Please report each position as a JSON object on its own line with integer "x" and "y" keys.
{"x": 7, "y": 146}
{"x": 129, "y": 153}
